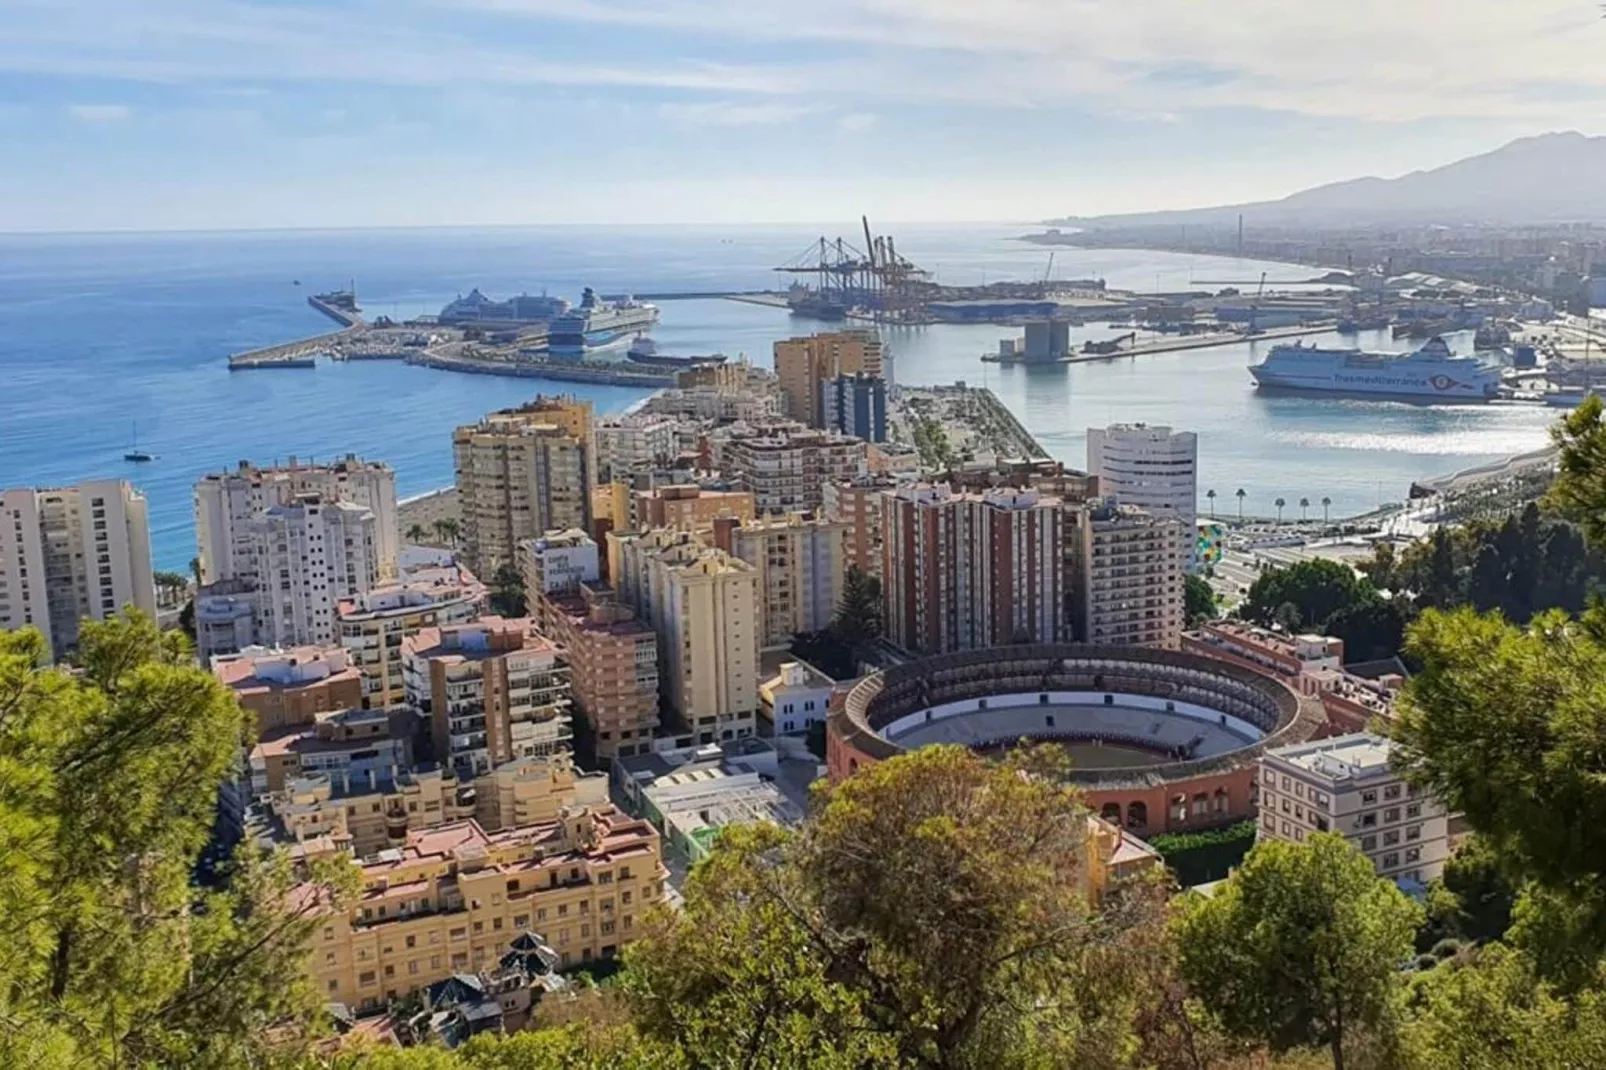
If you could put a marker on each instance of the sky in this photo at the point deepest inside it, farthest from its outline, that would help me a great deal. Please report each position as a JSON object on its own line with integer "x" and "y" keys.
{"x": 221, "y": 114}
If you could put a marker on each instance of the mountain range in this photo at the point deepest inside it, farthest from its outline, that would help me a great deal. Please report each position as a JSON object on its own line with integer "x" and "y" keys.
{"x": 1551, "y": 178}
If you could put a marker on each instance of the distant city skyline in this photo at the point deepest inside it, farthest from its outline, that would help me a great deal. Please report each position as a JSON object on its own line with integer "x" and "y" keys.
{"x": 184, "y": 114}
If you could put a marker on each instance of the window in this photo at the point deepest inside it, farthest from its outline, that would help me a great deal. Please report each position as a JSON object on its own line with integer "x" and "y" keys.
{"x": 1413, "y": 854}
{"x": 366, "y": 977}
{"x": 1414, "y": 832}
{"x": 1368, "y": 843}
{"x": 1368, "y": 798}
{"x": 1391, "y": 837}
{"x": 1391, "y": 814}
{"x": 1368, "y": 820}
{"x": 1414, "y": 810}
{"x": 1390, "y": 861}
{"x": 1391, "y": 792}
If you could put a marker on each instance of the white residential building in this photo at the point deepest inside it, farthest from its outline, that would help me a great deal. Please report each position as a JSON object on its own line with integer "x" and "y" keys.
{"x": 1153, "y": 468}
{"x": 632, "y": 440}
{"x": 73, "y": 553}
{"x": 797, "y": 696}
{"x": 1129, "y": 570}
{"x": 228, "y": 503}
{"x": 557, "y": 561}
{"x": 1346, "y": 785}
{"x": 801, "y": 562}
{"x": 311, "y": 554}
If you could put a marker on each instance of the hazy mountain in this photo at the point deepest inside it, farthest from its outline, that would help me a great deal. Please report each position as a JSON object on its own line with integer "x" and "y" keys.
{"x": 1549, "y": 178}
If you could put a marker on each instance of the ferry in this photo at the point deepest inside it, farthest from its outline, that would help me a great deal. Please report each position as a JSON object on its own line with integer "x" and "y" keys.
{"x": 1432, "y": 374}
{"x": 597, "y": 326}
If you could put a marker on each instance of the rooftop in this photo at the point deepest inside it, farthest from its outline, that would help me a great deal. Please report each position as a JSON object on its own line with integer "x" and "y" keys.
{"x": 481, "y": 640}
{"x": 258, "y": 668}
{"x": 1350, "y": 757}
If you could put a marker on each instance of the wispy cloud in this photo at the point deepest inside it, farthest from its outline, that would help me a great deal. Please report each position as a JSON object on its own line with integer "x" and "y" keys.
{"x": 733, "y": 113}
{"x": 99, "y": 113}
{"x": 857, "y": 122}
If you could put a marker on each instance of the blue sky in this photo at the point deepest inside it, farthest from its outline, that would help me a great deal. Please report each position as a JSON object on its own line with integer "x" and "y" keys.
{"x": 162, "y": 114}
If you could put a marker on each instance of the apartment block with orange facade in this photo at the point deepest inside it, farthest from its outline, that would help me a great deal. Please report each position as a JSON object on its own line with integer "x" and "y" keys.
{"x": 804, "y": 365}
{"x": 687, "y": 507}
{"x": 289, "y": 688}
{"x": 613, "y": 667}
{"x": 492, "y": 691}
{"x": 857, "y": 504}
{"x": 964, "y": 571}
{"x": 452, "y": 899}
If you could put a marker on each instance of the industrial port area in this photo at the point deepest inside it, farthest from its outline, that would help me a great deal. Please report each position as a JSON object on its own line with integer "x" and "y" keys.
{"x": 1513, "y": 315}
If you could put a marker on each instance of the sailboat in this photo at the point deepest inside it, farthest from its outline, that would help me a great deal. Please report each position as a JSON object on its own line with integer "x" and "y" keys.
{"x": 134, "y": 453}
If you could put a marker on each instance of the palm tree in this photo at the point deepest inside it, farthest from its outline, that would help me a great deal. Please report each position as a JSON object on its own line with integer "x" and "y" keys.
{"x": 449, "y": 529}
{"x": 1325, "y": 503}
{"x": 1280, "y": 503}
{"x": 1211, "y": 494}
{"x": 1304, "y": 506}
{"x": 1242, "y": 494}
{"x": 416, "y": 534}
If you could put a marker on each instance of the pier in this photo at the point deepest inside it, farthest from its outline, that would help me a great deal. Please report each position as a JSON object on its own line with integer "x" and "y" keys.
{"x": 1172, "y": 345}
{"x": 302, "y": 353}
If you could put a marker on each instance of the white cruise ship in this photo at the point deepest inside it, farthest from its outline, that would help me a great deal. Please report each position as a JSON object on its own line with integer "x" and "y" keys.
{"x": 594, "y": 325}
{"x": 1431, "y": 374}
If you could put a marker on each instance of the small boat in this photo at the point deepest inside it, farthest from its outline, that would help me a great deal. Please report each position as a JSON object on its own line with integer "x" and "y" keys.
{"x": 134, "y": 453}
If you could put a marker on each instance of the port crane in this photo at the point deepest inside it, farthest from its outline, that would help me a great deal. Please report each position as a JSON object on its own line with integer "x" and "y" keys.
{"x": 1254, "y": 307}
{"x": 876, "y": 280}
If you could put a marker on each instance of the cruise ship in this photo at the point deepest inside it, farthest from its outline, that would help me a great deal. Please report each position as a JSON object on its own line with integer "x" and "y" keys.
{"x": 594, "y": 325}
{"x": 1431, "y": 374}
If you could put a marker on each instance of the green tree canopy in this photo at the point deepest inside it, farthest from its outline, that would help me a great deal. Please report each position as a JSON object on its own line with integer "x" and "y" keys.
{"x": 1301, "y": 946}
{"x": 1317, "y": 588}
{"x": 858, "y": 612}
{"x": 108, "y": 787}
{"x": 1199, "y": 600}
{"x": 508, "y": 597}
{"x": 1579, "y": 491}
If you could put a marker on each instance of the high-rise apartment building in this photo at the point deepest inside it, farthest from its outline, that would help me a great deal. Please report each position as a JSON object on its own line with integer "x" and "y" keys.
{"x": 613, "y": 666}
{"x": 69, "y": 554}
{"x": 857, "y": 504}
{"x": 804, "y": 364}
{"x": 493, "y": 691}
{"x": 521, "y": 473}
{"x": 455, "y": 898}
{"x": 964, "y": 571}
{"x": 786, "y": 467}
{"x": 1345, "y": 784}
{"x": 1130, "y": 567}
{"x": 856, "y": 405}
{"x": 311, "y": 554}
{"x": 634, "y": 440}
{"x": 800, "y": 560}
{"x": 227, "y": 504}
{"x": 1153, "y": 468}
{"x": 704, "y": 606}
{"x": 373, "y": 623}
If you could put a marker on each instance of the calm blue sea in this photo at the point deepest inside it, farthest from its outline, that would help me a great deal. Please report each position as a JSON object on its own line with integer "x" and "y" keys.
{"x": 99, "y": 333}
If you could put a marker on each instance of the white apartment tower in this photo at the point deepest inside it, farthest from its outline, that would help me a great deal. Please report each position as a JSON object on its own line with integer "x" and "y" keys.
{"x": 73, "y": 553}
{"x": 1345, "y": 784}
{"x": 1153, "y": 468}
{"x": 310, "y": 554}
{"x": 228, "y": 503}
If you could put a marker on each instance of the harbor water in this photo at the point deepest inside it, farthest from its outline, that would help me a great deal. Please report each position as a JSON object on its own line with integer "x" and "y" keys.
{"x": 99, "y": 333}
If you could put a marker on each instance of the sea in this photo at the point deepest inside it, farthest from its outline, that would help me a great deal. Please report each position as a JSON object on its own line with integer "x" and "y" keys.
{"x": 109, "y": 339}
